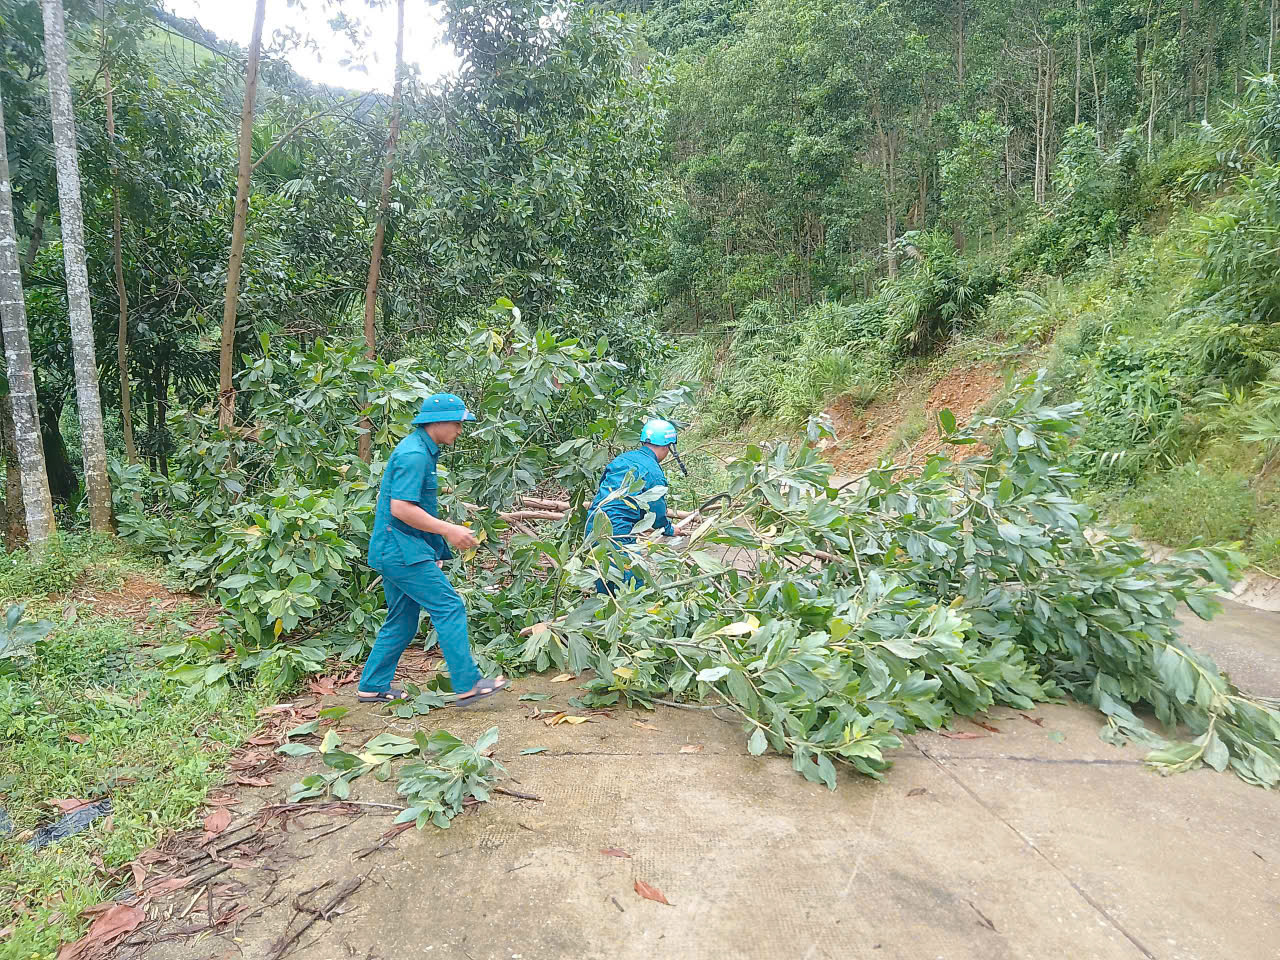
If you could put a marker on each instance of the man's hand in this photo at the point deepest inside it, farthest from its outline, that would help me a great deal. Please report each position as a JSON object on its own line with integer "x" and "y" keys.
{"x": 460, "y": 537}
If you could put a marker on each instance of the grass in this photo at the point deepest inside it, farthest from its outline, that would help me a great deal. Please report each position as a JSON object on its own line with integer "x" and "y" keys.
{"x": 149, "y": 745}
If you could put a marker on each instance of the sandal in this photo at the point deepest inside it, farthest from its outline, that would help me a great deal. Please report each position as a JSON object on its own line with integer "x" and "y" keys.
{"x": 385, "y": 696}
{"x": 483, "y": 688}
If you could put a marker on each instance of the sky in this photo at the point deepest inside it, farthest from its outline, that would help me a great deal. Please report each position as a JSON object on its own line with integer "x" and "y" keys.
{"x": 233, "y": 20}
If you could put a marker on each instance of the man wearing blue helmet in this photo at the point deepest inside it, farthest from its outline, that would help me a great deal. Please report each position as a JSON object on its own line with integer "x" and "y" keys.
{"x": 408, "y": 546}
{"x": 631, "y": 473}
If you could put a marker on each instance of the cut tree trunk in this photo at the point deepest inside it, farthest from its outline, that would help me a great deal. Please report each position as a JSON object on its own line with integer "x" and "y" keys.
{"x": 379, "y": 233}
{"x": 71, "y": 215}
{"x": 226, "y": 393}
{"x": 34, "y": 506}
{"x": 122, "y": 333}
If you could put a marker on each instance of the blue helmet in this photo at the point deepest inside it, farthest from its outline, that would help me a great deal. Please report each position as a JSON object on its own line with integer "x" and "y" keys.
{"x": 661, "y": 433}
{"x": 443, "y": 408}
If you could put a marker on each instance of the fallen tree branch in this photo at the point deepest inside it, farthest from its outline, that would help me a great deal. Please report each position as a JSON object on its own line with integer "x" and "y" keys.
{"x": 325, "y": 912}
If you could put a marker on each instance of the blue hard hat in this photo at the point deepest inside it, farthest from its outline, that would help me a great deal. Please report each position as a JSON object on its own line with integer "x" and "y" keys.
{"x": 443, "y": 408}
{"x": 661, "y": 433}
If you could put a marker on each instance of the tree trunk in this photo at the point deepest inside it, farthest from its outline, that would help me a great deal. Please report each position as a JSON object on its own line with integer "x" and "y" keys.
{"x": 226, "y": 393}
{"x": 162, "y": 415}
{"x": 1271, "y": 33}
{"x": 122, "y": 336}
{"x": 34, "y": 506}
{"x": 1035, "y": 179}
{"x": 36, "y": 238}
{"x": 15, "y": 520}
{"x": 1097, "y": 96}
{"x": 890, "y": 217}
{"x": 71, "y": 214}
{"x": 1244, "y": 46}
{"x": 1079, "y": 27}
{"x": 64, "y": 485}
{"x": 379, "y": 233}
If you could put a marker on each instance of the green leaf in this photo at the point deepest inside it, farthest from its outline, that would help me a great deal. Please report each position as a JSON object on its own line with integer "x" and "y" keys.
{"x": 536, "y": 697}
{"x": 758, "y": 742}
{"x": 304, "y": 729}
{"x": 527, "y": 751}
{"x": 330, "y": 742}
{"x": 295, "y": 749}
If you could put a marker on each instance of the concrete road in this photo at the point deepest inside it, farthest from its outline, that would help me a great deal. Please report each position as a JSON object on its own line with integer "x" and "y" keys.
{"x": 1037, "y": 841}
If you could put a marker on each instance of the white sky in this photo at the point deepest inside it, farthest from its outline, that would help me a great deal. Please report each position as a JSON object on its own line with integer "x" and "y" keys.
{"x": 233, "y": 20}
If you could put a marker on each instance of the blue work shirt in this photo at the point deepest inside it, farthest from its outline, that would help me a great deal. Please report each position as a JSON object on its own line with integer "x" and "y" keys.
{"x": 410, "y": 475}
{"x": 625, "y": 512}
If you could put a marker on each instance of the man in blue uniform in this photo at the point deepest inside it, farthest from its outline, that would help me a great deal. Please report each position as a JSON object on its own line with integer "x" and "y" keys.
{"x": 408, "y": 546}
{"x": 630, "y": 473}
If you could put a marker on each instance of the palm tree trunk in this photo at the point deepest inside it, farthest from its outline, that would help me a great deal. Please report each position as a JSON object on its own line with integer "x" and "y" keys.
{"x": 226, "y": 393}
{"x": 379, "y": 233}
{"x": 36, "y": 503}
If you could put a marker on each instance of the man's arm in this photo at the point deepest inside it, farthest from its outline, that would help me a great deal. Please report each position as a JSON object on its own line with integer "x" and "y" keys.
{"x": 659, "y": 507}
{"x": 458, "y": 536}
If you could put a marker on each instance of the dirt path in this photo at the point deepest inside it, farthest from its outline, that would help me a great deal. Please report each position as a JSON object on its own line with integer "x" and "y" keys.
{"x": 1036, "y": 841}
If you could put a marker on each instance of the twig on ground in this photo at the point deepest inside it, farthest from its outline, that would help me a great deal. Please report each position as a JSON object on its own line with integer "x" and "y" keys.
{"x": 325, "y": 913}
{"x": 517, "y": 794}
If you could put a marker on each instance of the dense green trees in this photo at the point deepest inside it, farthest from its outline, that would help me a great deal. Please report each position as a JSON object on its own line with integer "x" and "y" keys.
{"x": 807, "y": 136}
{"x": 531, "y": 174}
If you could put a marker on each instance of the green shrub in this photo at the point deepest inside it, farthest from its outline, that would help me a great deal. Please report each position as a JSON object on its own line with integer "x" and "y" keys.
{"x": 1193, "y": 502}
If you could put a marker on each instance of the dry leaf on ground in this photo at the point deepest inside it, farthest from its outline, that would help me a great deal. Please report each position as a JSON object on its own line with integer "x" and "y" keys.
{"x": 917, "y": 791}
{"x": 643, "y": 725}
{"x": 961, "y": 735}
{"x": 691, "y": 748}
{"x": 651, "y": 893}
{"x": 113, "y": 923}
{"x": 167, "y": 885}
{"x": 562, "y": 678}
{"x": 215, "y": 823}
{"x": 615, "y": 852}
{"x": 69, "y": 804}
{"x": 77, "y": 738}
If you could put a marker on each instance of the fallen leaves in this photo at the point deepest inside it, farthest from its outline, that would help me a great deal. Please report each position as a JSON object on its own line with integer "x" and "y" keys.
{"x": 529, "y": 751}
{"x": 167, "y": 885}
{"x": 644, "y": 725}
{"x": 77, "y": 738}
{"x": 113, "y": 922}
{"x": 1038, "y": 721}
{"x": 917, "y": 792}
{"x": 961, "y": 735}
{"x": 562, "y": 678}
{"x": 615, "y": 852}
{"x": 562, "y": 717}
{"x": 985, "y": 726}
{"x": 690, "y": 748}
{"x": 69, "y": 804}
{"x": 651, "y": 893}
{"x": 215, "y": 823}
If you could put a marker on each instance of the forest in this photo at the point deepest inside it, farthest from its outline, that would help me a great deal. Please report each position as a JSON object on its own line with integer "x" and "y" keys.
{"x": 225, "y": 289}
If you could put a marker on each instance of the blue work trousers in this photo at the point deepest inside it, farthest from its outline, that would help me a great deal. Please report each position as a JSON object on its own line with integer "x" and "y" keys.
{"x": 410, "y": 589}
{"x": 620, "y": 561}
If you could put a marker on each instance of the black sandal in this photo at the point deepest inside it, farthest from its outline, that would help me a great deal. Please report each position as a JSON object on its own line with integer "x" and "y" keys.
{"x": 385, "y": 696}
{"x": 483, "y": 688}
